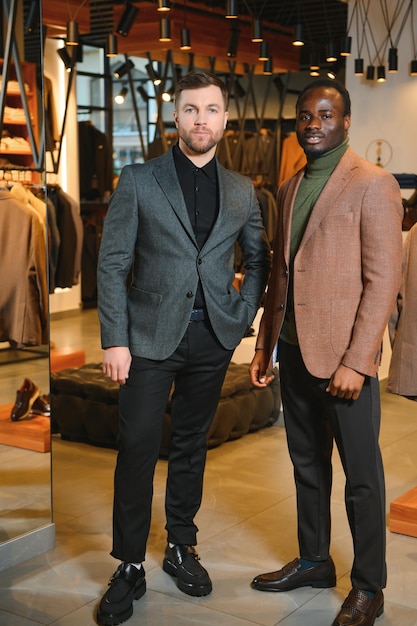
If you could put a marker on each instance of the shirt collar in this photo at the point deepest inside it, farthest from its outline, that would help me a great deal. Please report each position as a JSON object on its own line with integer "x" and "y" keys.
{"x": 187, "y": 166}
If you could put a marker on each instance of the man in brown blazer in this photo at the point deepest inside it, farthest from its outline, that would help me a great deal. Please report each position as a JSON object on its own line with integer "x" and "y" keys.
{"x": 336, "y": 273}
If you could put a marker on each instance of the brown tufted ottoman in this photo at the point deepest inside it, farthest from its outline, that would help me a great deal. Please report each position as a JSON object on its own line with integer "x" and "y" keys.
{"x": 84, "y": 407}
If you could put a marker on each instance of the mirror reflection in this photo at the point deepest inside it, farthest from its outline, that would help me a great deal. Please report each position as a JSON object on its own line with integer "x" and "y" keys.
{"x": 25, "y": 464}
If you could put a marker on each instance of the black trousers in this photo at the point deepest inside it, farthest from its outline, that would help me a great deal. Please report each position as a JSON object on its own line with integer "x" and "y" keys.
{"x": 313, "y": 420}
{"x": 197, "y": 368}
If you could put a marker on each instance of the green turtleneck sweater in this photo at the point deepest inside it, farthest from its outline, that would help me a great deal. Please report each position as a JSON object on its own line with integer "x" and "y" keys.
{"x": 316, "y": 175}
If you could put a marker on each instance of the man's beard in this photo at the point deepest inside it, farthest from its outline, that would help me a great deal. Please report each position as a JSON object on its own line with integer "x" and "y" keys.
{"x": 199, "y": 148}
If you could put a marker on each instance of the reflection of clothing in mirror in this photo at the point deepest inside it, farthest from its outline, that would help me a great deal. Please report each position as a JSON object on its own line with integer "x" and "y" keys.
{"x": 402, "y": 376}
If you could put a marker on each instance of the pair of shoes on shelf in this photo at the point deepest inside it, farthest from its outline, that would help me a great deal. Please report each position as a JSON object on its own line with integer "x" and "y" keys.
{"x": 128, "y": 584}
{"x": 26, "y": 397}
{"x": 359, "y": 609}
{"x": 291, "y": 576}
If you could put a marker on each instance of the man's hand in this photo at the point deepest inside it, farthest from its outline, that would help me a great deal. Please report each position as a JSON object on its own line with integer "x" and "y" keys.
{"x": 116, "y": 363}
{"x": 346, "y": 383}
{"x": 257, "y": 370}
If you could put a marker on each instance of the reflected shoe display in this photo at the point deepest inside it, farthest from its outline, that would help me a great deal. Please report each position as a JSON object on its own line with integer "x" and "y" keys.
{"x": 291, "y": 576}
{"x": 182, "y": 562}
{"x": 41, "y": 406}
{"x": 25, "y": 399}
{"x": 127, "y": 584}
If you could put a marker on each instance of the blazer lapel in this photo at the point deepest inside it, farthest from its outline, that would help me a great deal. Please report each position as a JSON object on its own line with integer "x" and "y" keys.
{"x": 339, "y": 179}
{"x": 166, "y": 177}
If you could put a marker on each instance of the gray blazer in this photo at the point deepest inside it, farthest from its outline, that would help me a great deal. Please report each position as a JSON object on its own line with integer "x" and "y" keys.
{"x": 147, "y": 230}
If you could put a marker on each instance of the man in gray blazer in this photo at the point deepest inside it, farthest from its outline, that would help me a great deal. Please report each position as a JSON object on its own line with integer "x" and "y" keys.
{"x": 171, "y": 229}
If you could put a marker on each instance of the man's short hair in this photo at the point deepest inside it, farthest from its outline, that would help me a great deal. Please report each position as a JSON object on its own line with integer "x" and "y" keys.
{"x": 197, "y": 80}
{"x": 332, "y": 84}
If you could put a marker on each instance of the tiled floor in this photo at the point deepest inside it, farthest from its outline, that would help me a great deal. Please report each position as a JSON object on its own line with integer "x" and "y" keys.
{"x": 247, "y": 526}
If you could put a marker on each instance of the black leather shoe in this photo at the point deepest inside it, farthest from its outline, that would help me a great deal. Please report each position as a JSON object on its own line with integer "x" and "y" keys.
{"x": 323, "y": 575}
{"x": 183, "y": 563}
{"x": 25, "y": 397}
{"x": 359, "y": 609}
{"x": 127, "y": 584}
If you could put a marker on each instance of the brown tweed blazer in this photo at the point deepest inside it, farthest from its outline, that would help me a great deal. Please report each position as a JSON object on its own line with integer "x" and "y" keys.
{"x": 347, "y": 270}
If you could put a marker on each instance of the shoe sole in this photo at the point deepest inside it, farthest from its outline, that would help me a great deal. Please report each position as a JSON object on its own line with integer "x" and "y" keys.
{"x": 114, "y": 620}
{"x": 197, "y": 591}
{"x": 317, "y": 584}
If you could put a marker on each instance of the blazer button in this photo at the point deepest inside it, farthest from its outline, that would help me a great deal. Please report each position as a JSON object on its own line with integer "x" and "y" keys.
{"x": 190, "y": 294}
{"x": 199, "y": 261}
{"x": 281, "y": 306}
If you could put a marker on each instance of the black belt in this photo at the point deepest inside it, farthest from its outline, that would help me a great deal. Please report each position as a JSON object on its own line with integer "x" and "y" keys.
{"x": 198, "y": 315}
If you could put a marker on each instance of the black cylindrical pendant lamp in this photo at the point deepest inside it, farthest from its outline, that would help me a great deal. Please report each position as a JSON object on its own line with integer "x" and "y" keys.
{"x": 359, "y": 67}
{"x": 185, "y": 39}
{"x": 256, "y": 30}
{"x": 268, "y": 67}
{"x": 165, "y": 29}
{"x": 127, "y": 19}
{"x": 231, "y": 9}
{"x": 393, "y": 60}
{"x": 346, "y": 46}
{"x": 72, "y": 34}
{"x": 111, "y": 45}
{"x": 370, "y": 72}
{"x": 263, "y": 51}
{"x": 413, "y": 67}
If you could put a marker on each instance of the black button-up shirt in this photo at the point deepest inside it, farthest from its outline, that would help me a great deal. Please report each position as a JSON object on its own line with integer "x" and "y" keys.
{"x": 201, "y": 195}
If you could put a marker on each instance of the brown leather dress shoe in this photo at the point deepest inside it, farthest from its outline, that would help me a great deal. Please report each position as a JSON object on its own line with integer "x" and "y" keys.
{"x": 359, "y": 609}
{"x": 323, "y": 575}
{"x": 25, "y": 398}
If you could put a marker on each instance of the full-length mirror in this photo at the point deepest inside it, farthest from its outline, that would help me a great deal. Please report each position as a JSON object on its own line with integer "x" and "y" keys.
{"x": 25, "y": 233}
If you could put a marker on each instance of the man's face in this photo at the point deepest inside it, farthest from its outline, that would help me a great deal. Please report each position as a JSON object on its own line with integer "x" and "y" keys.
{"x": 321, "y": 124}
{"x": 200, "y": 118}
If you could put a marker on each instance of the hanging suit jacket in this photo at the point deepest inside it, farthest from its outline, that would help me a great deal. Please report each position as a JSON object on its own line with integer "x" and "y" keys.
{"x": 347, "y": 270}
{"x": 24, "y": 288}
{"x": 147, "y": 223}
{"x": 402, "y": 376}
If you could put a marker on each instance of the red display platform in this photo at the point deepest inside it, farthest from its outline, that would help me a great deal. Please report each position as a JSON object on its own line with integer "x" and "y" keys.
{"x": 32, "y": 433}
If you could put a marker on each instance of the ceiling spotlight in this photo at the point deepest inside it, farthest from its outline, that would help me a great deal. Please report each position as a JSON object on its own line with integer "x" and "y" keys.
{"x": 231, "y": 9}
{"x": 127, "y": 19}
{"x": 143, "y": 93}
{"x": 167, "y": 94}
{"x": 120, "y": 98}
{"x": 233, "y": 42}
{"x": 331, "y": 74}
{"x": 268, "y": 67}
{"x": 163, "y": 5}
{"x": 346, "y": 46}
{"x": 413, "y": 67}
{"x": 111, "y": 45}
{"x": 263, "y": 51}
{"x": 153, "y": 75}
{"x": 256, "y": 30}
{"x": 185, "y": 39}
{"x": 298, "y": 36}
{"x": 165, "y": 29}
{"x": 72, "y": 34}
{"x": 123, "y": 69}
{"x": 331, "y": 55}
{"x": 359, "y": 67}
{"x": 65, "y": 58}
{"x": 314, "y": 72}
{"x": 393, "y": 60}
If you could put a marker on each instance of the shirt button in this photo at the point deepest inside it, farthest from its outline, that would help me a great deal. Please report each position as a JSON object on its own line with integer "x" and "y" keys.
{"x": 190, "y": 294}
{"x": 196, "y": 188}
